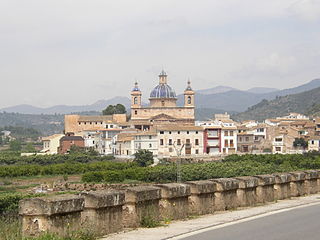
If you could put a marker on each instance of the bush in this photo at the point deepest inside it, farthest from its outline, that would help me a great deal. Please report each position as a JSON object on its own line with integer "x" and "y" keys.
{"x": 143, "y": 158}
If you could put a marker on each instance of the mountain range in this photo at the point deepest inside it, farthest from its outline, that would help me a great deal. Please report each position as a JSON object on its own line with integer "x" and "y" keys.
{"x": 208, "y": 101}
{"x": 306, "y": 102}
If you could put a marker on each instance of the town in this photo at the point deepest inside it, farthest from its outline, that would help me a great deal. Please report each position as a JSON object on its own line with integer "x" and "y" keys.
{"x": 168, "y": 130}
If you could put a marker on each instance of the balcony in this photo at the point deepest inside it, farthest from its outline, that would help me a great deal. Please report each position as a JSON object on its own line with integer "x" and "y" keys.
{"x": 277, "y": 143}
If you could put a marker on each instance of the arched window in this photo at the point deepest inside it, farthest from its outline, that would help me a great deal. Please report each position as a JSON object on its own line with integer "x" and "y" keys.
{"x": 135, "y": 100}
{"x": 189, "y": 100}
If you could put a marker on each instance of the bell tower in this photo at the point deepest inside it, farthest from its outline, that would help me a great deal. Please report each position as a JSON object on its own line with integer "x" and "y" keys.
{"x": 189, "y": 96}
{"x": 163, "y": 77}
{"x": 136, "y": 97}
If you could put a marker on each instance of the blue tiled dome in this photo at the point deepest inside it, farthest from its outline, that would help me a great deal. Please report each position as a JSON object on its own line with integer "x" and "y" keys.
{"x": 163, "y": 91}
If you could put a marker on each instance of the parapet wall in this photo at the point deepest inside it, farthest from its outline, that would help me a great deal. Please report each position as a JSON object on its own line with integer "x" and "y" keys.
{"x": 109, "y": 211}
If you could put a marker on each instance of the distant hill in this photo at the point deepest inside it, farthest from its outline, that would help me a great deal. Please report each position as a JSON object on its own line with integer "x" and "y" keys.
{"x": 46, "y": 124}
{"x": 239, "y": 101}
{"x": 306, "y": 103}
{"x": 64, "y": 109}
{"x": 261, "y": 90}
{"x": 218, "y": 89}
{"x": 223, "y": 98}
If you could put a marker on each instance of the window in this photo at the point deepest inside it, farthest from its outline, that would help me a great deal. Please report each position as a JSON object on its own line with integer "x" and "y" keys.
{"x": 312, "y": 142}
{"x": 170, "y": 150}
{"x": 178, "y": 142}
{"x": 170, "y": 132}
{"x": 188, "y": 132}
{"x": 247, "y": 139}
{"x": 135, "y": 112}
{"x": 178, "y": 132}
{"x": 226, "y": 133}
{"x": 278, "y": 139}
{"x": 170, "y": 141}
{"x": 135, "y": 100}
{"x": 161, "y": 132}
{"x": 111, "y": 126}
{"x": 278, "y": 149}
{"x": 150, "y": 137}
{"x": 240, "y": 139}
{"x": 197, "y": 132}
{"x": 197, "y": 151}
{"x": 189, "y": 100}
{"x": 162, "y": 103}
{"x": 161, "y": 142}
{"x": 150, "y": 145}
{"x": 256, "y": 138}
{"x": 196, "y": 142}
{"x": 226, "y": 144}
{"x": 231, "y": 133}
{"x": 231, "y": 143}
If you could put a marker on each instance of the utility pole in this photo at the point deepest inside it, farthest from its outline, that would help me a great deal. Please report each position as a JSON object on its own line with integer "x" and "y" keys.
{"x": 178, "y": 161}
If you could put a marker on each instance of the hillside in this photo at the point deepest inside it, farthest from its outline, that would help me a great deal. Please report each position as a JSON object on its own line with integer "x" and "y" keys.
{"x": 65, "y": 109}
{"x": 46, "y": 124}
{"x": 222, "y": 97}
{"x": 306, "y": 103}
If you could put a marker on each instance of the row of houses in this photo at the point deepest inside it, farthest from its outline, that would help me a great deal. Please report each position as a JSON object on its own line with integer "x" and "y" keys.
{"x": 219, "y": 136}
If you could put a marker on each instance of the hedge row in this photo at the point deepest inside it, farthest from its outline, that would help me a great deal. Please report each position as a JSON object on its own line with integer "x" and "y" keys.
{"x": 61, "y": 169}
{"x": 10, "y": 159}
{"x": 189, "y": 172}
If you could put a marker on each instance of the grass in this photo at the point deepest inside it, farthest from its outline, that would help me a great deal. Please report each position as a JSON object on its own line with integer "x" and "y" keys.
{"x": 10, "y": 229}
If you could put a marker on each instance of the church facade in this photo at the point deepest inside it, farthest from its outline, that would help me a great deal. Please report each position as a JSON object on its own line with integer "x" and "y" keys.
{"x": 163, "y": 107}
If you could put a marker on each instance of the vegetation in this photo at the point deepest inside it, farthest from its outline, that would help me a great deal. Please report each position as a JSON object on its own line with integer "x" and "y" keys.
{"x": 143, "y": 158}
{"x": 305, "y": 103}
{"x": 232, "y": 166}
{"x": 114, "y": 109}
{"x": 14, "y": 158}
{"x": 43, "y": 123}
{"x": 300, "y": 142}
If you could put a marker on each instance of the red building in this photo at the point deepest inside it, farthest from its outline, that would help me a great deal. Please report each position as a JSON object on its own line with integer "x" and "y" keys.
{"x": 212, "y": 140}
{"x": 70, "y": 140}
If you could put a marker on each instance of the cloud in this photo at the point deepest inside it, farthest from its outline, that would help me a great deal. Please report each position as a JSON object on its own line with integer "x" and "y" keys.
{"x": 308, "y": 10}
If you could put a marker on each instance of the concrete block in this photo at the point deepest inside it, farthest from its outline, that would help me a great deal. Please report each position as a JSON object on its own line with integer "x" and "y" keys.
{"x": 282, "y": 185}
{"x": 265, "y": 189}
{"x": 246, "y": 192}
{"x": 225, "y": 197}
{"x": 201, "y": 200}
{"x": 103, "y": 211}
{"x": 175, "y": 200}
{"x": 142, "y": 202}
{"x": 56, "y": 214}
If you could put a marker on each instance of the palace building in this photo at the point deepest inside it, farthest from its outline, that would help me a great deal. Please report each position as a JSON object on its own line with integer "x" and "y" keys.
{"x": 163, "y": 107}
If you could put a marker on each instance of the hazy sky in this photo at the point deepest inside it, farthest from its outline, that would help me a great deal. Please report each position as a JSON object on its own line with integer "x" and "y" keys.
{"x": 76, "y": 51}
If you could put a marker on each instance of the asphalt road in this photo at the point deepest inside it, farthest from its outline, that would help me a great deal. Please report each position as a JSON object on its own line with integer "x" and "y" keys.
{"x": 296, "y": 224}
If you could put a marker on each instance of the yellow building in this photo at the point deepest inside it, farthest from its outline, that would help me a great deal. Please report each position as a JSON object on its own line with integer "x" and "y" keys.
{"x": 163, "y": 107}
{"x": 51, "y": 144}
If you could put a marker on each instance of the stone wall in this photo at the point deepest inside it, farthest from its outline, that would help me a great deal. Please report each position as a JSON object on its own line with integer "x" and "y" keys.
{"x": 108, "y": 211}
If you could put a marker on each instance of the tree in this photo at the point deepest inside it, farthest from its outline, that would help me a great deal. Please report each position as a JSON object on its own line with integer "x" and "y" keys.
{"x": 30, "y": 148}
{"x": 114, "y": 109}
{"x": 300, "y": 142}
{"x": 143, "y": 157}
{"x": 15, "y": 145}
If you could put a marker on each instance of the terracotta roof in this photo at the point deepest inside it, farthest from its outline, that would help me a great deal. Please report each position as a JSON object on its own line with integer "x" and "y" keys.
{"x": 52, "y": 137}
{"x": 84, "y": 118}
{"x": 71, "y": 138}
{"x": 146, "y": 133}
{"x": 179, "y": 128}
{"x": 124, "y": 137}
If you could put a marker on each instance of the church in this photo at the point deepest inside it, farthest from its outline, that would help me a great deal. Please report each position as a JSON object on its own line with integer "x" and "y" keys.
{"x": 163, "y": 107}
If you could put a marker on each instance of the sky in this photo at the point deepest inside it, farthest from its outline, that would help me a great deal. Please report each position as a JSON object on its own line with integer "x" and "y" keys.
{"x": 76, "y": 52}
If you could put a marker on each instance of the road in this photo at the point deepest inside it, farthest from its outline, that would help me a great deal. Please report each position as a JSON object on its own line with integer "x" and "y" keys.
{"x": 296, "y": 224}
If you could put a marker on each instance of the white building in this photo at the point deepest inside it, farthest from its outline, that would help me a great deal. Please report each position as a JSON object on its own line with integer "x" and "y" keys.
{"x": 147, "y": 140}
